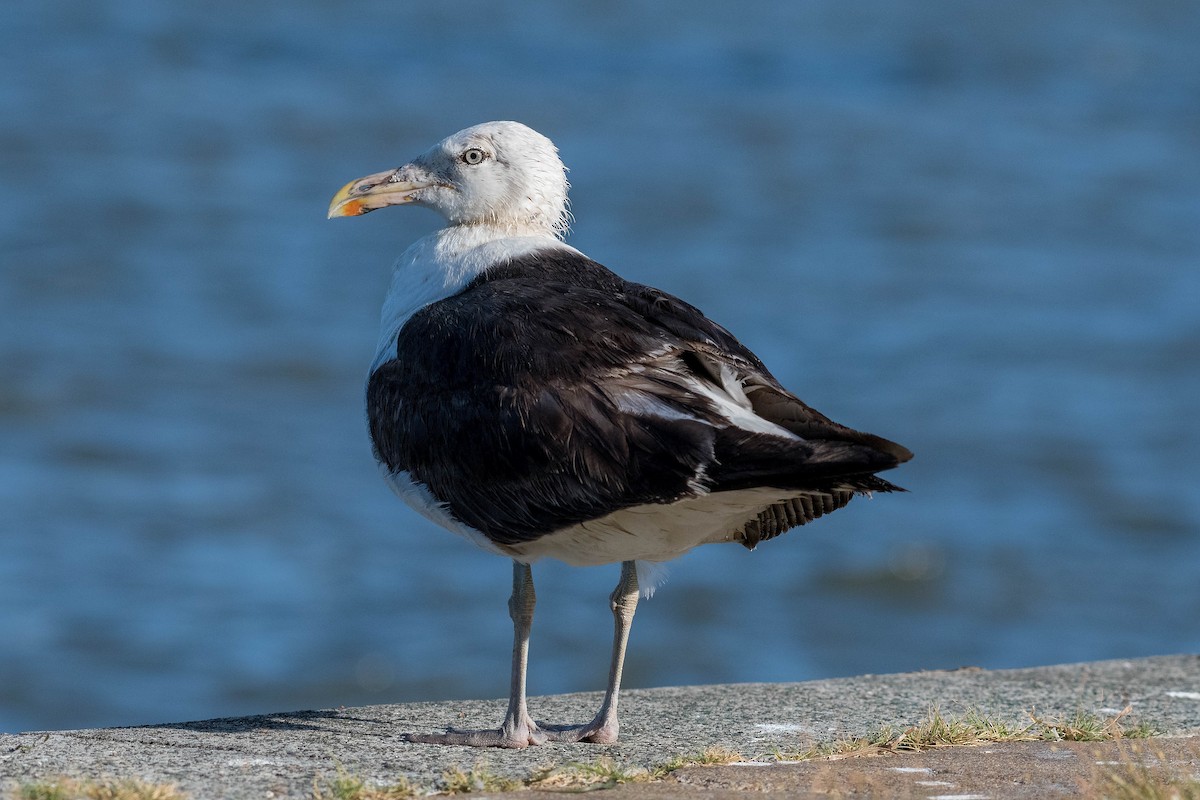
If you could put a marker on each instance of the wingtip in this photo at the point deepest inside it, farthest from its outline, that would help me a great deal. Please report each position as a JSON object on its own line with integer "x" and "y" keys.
{"x": 898, "y": 452}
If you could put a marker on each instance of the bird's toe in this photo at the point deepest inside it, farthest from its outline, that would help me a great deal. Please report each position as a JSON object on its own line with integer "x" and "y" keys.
{"x": 511, "y": 738}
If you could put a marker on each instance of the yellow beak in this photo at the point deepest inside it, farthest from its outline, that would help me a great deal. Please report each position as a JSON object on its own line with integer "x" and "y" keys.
{"x": 372, "y": 192}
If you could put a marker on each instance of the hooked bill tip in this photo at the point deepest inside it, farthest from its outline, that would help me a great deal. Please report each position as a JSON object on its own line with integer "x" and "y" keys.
{"x": 347, "y": 208}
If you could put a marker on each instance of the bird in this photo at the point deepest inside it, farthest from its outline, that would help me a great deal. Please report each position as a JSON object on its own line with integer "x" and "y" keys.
{"x": 529, "y": 399}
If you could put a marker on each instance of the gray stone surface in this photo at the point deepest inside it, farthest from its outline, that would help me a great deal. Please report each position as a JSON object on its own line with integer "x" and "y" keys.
{"x": 1008, "y": 771}
{"x": 280, "y": 755}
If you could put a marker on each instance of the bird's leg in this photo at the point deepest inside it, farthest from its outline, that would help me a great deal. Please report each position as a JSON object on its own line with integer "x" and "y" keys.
{"x": 518, "y": 728}
{"x": 604, "y": 728}
{"x": 520, "y": 608}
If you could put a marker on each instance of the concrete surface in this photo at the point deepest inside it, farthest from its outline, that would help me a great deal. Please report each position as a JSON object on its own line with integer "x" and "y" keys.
{"x": 280, "y": 755}
{"x": 1013, "y": 771}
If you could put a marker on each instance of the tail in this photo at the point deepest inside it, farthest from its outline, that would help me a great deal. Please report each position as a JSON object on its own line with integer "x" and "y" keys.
{"x": 747, "y": 460}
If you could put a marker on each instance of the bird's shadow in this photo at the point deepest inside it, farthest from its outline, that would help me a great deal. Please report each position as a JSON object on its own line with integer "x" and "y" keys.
{"x": 290, "y": 721}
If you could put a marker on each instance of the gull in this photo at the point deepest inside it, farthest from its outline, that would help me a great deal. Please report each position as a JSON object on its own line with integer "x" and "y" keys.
{"x": 532, "y": 401}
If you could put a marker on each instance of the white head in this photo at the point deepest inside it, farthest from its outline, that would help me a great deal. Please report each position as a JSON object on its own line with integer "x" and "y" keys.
{"x": 502, "y": 174}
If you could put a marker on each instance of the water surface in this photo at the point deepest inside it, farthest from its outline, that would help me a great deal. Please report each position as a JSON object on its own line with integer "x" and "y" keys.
{"x": 973, "y": 228}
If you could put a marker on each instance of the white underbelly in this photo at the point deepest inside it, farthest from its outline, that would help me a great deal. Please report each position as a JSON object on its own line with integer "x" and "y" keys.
{"x": 654, "y": 532}
{"x": 650, "y": 534}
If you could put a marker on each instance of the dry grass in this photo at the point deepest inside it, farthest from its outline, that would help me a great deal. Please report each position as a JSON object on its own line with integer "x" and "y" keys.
{"x": 71, "y": 789}
{"x": 345, "y": 786}
{"x": 1142, "y": 783}
{"x": 973, "y": 728}
{"x": 604, "y": 773}
{"x": 476, "y": 779}
{"x": 1090, "y": 728}
{"x": 713, "y": 756}
{"x": 1138, "y": 780}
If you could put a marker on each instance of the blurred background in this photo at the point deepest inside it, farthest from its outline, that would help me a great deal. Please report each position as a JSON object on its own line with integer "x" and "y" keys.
{"x": 971, "y": 227}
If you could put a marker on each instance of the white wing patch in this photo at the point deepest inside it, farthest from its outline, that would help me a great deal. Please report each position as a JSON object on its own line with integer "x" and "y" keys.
{"x": 641, "y": 403}
{"x": 732, "y": 403}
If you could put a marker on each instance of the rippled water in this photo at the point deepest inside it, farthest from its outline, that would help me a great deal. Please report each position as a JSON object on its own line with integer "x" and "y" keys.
{"x": 973, "y": 228}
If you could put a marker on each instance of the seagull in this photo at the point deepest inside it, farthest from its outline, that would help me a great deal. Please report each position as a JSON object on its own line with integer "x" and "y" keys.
{"x": 530, "y": 400}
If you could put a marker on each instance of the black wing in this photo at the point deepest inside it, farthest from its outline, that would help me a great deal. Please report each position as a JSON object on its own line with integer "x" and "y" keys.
{"x": 551, "y": 391}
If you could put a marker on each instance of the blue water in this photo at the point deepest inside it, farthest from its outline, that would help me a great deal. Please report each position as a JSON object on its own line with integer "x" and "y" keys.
{"x": 970, "y": 227}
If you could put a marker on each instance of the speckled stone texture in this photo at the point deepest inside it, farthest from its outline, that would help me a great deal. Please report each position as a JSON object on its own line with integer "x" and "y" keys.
{"x": 280, "y": 755}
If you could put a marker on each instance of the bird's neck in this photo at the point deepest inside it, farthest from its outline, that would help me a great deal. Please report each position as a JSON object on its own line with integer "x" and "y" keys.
{"x": 473, "y": 247}
{"x": 443, "y": 263}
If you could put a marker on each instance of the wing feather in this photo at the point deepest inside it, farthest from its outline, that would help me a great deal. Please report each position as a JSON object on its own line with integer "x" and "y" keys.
{"x": 551, "y": 391}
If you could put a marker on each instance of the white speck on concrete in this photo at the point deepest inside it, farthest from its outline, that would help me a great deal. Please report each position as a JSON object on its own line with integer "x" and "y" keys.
{"x": 1110, "y": 710}
{"x": 925, "y": 770}
{"x": 1185, "y": 695}
{"x": 782, "y": 727}
{"x": 934, "y": 783}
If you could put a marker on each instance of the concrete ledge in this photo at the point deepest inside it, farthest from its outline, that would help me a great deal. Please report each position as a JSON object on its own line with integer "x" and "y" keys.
{"x": 280, "y": 755}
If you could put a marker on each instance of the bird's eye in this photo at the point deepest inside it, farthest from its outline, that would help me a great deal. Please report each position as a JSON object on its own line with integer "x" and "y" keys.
{"x": 473, "y": 156}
